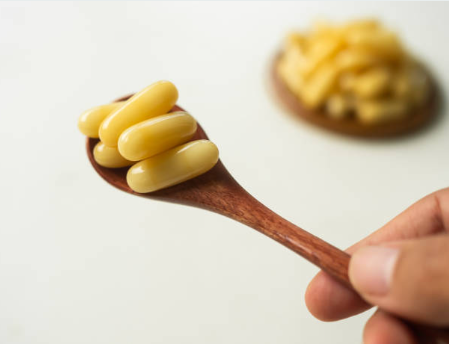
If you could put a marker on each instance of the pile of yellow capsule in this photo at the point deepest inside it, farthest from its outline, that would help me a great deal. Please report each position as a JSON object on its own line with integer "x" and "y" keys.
{"x": 141, "y": 133}
{"x": 358, "y": 70}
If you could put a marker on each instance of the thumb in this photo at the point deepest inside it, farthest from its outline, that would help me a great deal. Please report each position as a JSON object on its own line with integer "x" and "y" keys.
{"x": 410, "y": 279}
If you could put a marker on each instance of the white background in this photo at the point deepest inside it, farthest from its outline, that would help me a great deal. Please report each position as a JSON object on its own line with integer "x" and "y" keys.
{"x": 81, "y": 262}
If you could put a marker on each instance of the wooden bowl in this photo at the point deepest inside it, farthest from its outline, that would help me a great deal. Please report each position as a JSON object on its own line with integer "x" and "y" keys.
{"x": 414, "y": 121}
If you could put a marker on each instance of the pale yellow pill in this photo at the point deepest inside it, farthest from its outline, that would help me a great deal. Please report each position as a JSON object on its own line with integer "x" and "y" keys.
{"x": 364, "y": 25}
{"x": 319, "y": 86}
{"x": 156, "y": 135}
{"x": 338, "y": 106}
{"x": 173, "y": 166}
{"x": 377, "y": 112}
{"x": 155, "y": 100}
{"x": 380, "y": 42}
{"x": 373, "y": 83}
{"x": 89, "y": 122}
{"x": 109, "y": 157}
{"x": 289, "y": 68}
{"x": 355, "y": 60}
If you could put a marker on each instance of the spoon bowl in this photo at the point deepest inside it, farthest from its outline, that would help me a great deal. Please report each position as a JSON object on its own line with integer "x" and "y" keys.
{"x": 181, "y": 193}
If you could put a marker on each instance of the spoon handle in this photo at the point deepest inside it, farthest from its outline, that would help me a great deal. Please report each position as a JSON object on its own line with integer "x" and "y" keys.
{"x": 327, "y": 257}
{"x": 226, "y": 197}
{"x": 220, "y": 193}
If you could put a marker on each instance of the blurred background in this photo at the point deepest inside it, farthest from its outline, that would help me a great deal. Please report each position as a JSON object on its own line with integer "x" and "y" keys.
{"x": 81, "y": 262}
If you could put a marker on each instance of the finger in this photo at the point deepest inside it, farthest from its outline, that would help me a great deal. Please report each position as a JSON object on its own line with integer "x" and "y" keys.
{"x": 328, "y": 300}
{"x": 428, "y": 216}
{"x": 383, "y": 328}
{"x": 411, "y": 281}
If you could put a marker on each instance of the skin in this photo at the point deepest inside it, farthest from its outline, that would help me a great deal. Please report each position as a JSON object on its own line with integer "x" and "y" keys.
{"x": 419, "y": 284}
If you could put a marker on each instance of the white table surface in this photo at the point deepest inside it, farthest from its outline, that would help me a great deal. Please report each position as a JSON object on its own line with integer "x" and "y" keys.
{"x": 81, "y": 262}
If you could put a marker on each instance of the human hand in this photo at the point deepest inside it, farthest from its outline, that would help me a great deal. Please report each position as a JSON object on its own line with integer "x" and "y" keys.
{"x": 403, "y": 268}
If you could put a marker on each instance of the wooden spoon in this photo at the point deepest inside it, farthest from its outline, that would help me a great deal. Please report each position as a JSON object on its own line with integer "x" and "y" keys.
{"x": 218, "y": 191}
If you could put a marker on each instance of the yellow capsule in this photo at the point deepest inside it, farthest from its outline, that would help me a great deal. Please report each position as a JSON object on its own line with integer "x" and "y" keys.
{"x": 109, "y": 156}
{"x": 156, "y": 135}
{"x": 319, "y": 86}
{"x": 295, "y": 39}
{"x": 380, "y": 42}
{"x": 364, "y": 25}
{"x": 373, "y": 83}
{"x": 155, "y": 100}
{"x": 90, "y": 120}
{"x": 338, "y": 106}
{"x": 173, "y": 166}
{"x": 377, "y": 112}
{"x": 355, "y": 60}
{"x": 289, "y": 68}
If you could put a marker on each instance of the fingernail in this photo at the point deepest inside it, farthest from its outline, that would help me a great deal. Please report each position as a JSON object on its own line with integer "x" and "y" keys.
{"x": 371, "y": 269}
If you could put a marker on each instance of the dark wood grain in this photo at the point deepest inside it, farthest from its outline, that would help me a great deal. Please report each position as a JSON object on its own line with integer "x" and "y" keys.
{"x": 418, "y": 119}
{"x": 218, "y": 191}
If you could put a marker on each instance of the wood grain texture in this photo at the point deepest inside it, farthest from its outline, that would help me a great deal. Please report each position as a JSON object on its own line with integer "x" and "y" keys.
{"x": 418, "y": 119}
{"x": 218, "y": 191}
